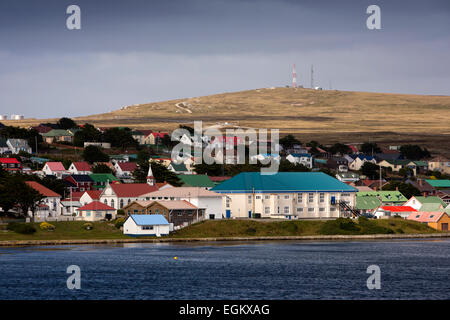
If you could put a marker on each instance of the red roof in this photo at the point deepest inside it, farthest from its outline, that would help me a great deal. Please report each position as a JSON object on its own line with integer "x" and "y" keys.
{"x": 76, "y": 195}
{"x": 9, "y": 160}
{"x": 426, "y": 216}
{"x": 146, "y": 132}
{"x": 94, "y": 194}
{"x": 94, "y": 206}
{"x": 82, "y": 166}
{"x": 56, "y": 166}
{"x": 159, "y": 134}
{"x": 129, "y": 190}
{"x": 46, "y": 192}
{"x": 42, "y": 129}
{"x": 398, "y": 208}
{"x": 127, "y": 166}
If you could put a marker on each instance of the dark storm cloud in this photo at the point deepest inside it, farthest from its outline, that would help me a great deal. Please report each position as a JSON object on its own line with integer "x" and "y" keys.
{"x": 138, "y": 51}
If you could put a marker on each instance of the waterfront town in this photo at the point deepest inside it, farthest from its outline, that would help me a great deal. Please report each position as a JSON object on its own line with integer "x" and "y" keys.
{"x": 65, "y": 171}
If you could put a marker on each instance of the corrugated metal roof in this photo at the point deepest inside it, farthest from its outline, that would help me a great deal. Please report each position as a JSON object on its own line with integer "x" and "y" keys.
{"x": 149, "y": 219}
{"x": 283, "y": 182}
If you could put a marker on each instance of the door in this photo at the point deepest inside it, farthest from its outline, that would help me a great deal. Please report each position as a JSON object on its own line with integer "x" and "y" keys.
{"x": 228, "y": 214}
{"x": 249, "y": 214}
{"x": 444, "y": 226}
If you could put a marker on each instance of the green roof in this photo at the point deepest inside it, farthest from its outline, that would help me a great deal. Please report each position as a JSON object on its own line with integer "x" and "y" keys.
{"x": 57, "y": 133}
{"x": 424, "y": 200}
{"x": 385, "y": 196}
{"x": 432, "y": 207}
{"x": 246, "y": 182}
{"x": 179, "y": 166}
{"x": 367, "y": 203}
{"x": 439, "y": 183}
{"x": 195, "y": 180}
{"x": 102, "y": 177}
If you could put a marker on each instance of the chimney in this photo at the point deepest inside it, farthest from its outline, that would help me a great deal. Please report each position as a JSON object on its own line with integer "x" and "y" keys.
{"x": 425, "y": 194}
{"x": 420, "y": 182}
{"x": 396, "y": 188}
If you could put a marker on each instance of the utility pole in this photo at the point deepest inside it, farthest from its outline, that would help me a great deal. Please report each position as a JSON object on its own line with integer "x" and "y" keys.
{"x": 380, "y": 177}
{"x": 312, "y": 76}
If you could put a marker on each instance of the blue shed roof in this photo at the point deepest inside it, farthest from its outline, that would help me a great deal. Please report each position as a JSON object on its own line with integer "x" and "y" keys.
{"x": 148, "y": 219}
{"x": 246, "y": 182}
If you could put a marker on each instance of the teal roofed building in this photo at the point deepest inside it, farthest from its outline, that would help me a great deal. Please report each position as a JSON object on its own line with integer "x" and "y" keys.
{"x": 291, "y": 195}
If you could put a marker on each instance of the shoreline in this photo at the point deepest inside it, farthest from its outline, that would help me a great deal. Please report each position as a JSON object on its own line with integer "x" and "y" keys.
{"x": 17, "y": 243}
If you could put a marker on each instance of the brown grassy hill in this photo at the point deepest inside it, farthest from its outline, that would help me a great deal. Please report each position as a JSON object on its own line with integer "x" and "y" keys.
{"x": 327, "y": 116}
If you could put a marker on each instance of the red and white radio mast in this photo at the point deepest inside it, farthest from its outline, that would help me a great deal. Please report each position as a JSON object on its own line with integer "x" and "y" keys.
{"x": 294, "y": 78}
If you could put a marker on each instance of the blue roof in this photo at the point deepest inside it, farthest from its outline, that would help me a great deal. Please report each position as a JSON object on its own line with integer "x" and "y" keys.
{"x": 148, "y": 219}
{"x": 247, "y": 182}
{"x": 365, "y": 157}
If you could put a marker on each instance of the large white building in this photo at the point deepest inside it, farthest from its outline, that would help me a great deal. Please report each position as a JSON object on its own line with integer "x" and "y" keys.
{"x": 291, "y": 195}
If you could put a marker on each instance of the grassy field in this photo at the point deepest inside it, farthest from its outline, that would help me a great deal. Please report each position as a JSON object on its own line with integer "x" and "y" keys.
{"x": 74, "y": 230}
{"x": 327, "y": 116}
{"x": 66, "y": 230}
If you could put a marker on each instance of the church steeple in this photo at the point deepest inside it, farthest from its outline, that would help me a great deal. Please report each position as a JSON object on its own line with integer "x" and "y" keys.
{"x": 150, "y": 178}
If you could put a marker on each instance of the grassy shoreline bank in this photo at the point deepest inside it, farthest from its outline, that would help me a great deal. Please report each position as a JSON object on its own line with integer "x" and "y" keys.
{"x": 230, "y": 230}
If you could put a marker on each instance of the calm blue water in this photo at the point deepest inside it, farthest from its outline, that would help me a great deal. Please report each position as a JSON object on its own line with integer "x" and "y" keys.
{"x": 263, "y": 270}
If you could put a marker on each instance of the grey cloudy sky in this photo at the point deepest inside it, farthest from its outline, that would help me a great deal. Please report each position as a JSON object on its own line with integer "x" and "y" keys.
{"x": 140, "y": 51}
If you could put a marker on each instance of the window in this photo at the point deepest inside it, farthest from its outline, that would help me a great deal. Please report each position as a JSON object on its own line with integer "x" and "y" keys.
{"x": 88, "y": 213}
{"x": 258, "y": 197}
{"x": 121, "y": 203}
{"x": 322, "y": 197}
{"x": 286, "y": 210}
{"x": 147, "y": 227}
{"x": 287, "y": 196}
{"x": 310, "y": 209}
{"x": 322, "y": 209}
{"x": 310, "y": 197}
{"x": 267, "y": 210}
{"x": 112, "y": 203}
{"x": 156, "y": 211}
{"x": 228, "y": 202}
{"x": 299, "y": 197}
{"x": 332, "y": 209}
{"x": 135, "y": 211}
{"x": 249, "y": 199}
{"x": 299, "y": 209}
{"x": 267, "y": 197}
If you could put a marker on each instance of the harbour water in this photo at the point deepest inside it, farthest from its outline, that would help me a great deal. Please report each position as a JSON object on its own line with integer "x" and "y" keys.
{"x": 410, "y": 269}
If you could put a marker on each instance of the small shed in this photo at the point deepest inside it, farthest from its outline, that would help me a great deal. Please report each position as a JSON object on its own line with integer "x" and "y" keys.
{"x": 435, "y": 220}
{"x": 146, "y": 225}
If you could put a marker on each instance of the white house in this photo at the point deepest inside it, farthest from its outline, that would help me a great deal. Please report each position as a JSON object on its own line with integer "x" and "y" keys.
{"x": 347, "y": 176}
{"x": 301, "y": 158}
{"x": 358, "y": 162}
{"x": 17, "y": 145}
{"x": 54, "y": 169}
{"x": 124, "y": 170}
{"x": 200, "y": 197}
{"x": 89, "y": 196}
{"x": 146, "y": 225}
{"x": 50, "y": 204}
{"x": 120, "y": 195}
{"x": 96, "y": 211}
{"x": 80, "y": 167}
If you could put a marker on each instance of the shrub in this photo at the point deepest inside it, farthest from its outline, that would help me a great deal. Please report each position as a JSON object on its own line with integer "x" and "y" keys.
{"x": 371, "y": 227}
{"x": 120, "y": 212}
{"x": 47, "y": 226}
{"x": 23, "y": 228}
{"x": 399, "y": 230}
{"x": 340, "y": 226}
{"x": 290, "y": 226}
{"x": 119, "y": 222}
{"x": 250, "y": 231}
{"x": 88, "y": 226}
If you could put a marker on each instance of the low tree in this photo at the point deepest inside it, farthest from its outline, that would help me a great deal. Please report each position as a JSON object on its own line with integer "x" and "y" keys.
{"x": 289, "y": 141}
{"x": 414, "y": 152}
{"x": 93, "y": 154}
{"x": 408, "y": 190}
{"x": 339, "y": 148}
{"x": 370, "y": 148}
{"x": 101, "y": 168}
{"x": 66, "y": 123}
{"x": 370, "y": 170}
